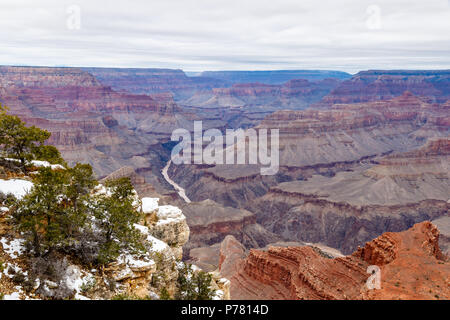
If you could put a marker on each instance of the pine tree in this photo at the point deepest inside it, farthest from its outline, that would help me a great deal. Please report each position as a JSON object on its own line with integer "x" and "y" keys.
{"x": 40, "y": 214}
{"x": 118, "y": 212}
{"x": 19, "y": 141}
{"x": 48, "y": 153}
{"x": 55, "y": 210}
{"x": 193, "y": 285}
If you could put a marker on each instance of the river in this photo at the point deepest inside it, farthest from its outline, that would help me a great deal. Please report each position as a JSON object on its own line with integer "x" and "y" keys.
{"x": 180, "y": 190}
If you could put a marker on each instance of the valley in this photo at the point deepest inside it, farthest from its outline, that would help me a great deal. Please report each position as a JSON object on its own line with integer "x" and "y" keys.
{"x": 360, "y": 155}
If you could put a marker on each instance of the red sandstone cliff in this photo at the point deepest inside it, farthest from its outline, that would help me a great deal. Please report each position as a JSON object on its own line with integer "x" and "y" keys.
{"x": 412, "y": 267}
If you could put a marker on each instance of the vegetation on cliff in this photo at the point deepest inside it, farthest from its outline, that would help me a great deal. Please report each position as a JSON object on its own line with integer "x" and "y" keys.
{"x": 67, "y": 223}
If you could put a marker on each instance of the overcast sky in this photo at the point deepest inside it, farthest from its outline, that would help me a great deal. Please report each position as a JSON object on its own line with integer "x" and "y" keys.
{"x": 197, "y": 35}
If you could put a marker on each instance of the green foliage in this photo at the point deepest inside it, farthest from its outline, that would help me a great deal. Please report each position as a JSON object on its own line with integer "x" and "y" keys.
{"x": 88, "y": 286}
{"x": 55, "y": 210}
{"x": 7, "y": 200}
{"x": 118, "y": 212}
{"x": 49, "y": 153}
{"x": 62, "y": 204}
{"x": 124, "y": 296}
{"x": 19, "y": 141}
{"x": 164, "y": 295}
{"x": 193, "y": 285}
{"x": 41, "y": 212}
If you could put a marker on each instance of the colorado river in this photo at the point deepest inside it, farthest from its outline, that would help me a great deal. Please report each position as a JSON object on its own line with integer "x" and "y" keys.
{"x": 179, "y": 189}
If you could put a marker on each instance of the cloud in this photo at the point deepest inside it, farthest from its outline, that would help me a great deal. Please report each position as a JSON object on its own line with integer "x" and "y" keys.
{"x": 227, "y": 35}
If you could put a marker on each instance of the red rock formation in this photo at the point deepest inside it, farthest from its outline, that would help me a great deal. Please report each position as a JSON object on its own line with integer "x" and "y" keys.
{"x": 322, "y": 141}
{"x": 89, "y": 122}
{"x": 210, "y": 223}
{"x": 412, "y": 267}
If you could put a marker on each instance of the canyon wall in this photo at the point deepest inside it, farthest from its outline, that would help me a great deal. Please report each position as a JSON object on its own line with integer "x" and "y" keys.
{"x": 410, "y": 263}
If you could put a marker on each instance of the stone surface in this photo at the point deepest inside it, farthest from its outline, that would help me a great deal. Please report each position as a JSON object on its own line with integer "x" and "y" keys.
{"x": 411, "y": 264}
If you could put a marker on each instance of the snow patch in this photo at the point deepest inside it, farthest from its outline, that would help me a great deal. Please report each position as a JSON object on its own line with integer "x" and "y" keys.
{"x": 46, "y": 164}
{"x": 169, "y": 214}
{"x": 149, "y": 204}
{"x": 14, "y": 248}
{"x": 19, "y": 188}
{"x": 157, "y": 245}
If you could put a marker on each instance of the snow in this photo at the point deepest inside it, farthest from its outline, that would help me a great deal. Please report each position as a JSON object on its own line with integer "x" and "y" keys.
{"x": 102, "y": 190}
{"x": 218, "y": 295}
{"x": 45, "y": 164}
{"x": 3, "y": 210}
{"x": 39, "y": 163}
{"x": 81, "y": 297}
{"x": 168, "y": 214}
{"x": 149, "y": 204}
{"x": 157, "y": 245}
{"x": 132, "y": 262}
{"x": 73, "y": 278}
{"x": 14, "y": 248}
{"x": 17, "y": 187}
{"x": 141, "y": 228}
{"x": 12, "y": 296}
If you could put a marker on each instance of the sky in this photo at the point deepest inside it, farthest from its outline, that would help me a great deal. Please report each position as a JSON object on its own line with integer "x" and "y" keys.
{"x": 199, "y": 35}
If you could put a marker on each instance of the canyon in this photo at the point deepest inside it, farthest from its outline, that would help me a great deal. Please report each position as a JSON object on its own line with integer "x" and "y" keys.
{"x": 360, "y": 155}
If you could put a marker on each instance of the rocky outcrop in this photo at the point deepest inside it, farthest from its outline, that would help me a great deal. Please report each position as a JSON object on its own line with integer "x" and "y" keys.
{"x": 302, "y": 273}
{"x": 167, "y": 223}
{"x": 210, "y": 223}
{"x": 131, "y": 275}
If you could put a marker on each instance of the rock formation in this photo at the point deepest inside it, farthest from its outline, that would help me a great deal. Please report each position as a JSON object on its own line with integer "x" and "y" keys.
{"x": 210, "y": 223}
{"x": 151, "y": 81}
{"x": 275, "y": 76}
{"x": 376, "y": 85}
{"x": 411, "y": 267}
{"x": 137, "y": 275}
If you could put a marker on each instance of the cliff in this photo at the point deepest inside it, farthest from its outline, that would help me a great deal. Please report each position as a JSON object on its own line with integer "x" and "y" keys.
{"x": 304, "y": 273}
{"x": 62, "y": 275}
{"x": 376, "y": 85}
{"x": 150, "y": 81}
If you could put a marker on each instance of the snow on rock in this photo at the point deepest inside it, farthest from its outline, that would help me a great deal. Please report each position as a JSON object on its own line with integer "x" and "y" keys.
{"x": 170, "y": 227}
{"x": 156, "y": 244}
{"x": 218, "y": 295}
{"x": 169, "y": 214}
{"x": 39, "y": 164}
{"x": 12, "y": 296}
{"x": 13, "y": 248}
{"x": 3, "y": 210}
{"x": 45, "y": 164}
{"x": 17, "y": 187}
{"x": 73, "y": 279}
{"x": 149, "y": 204}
